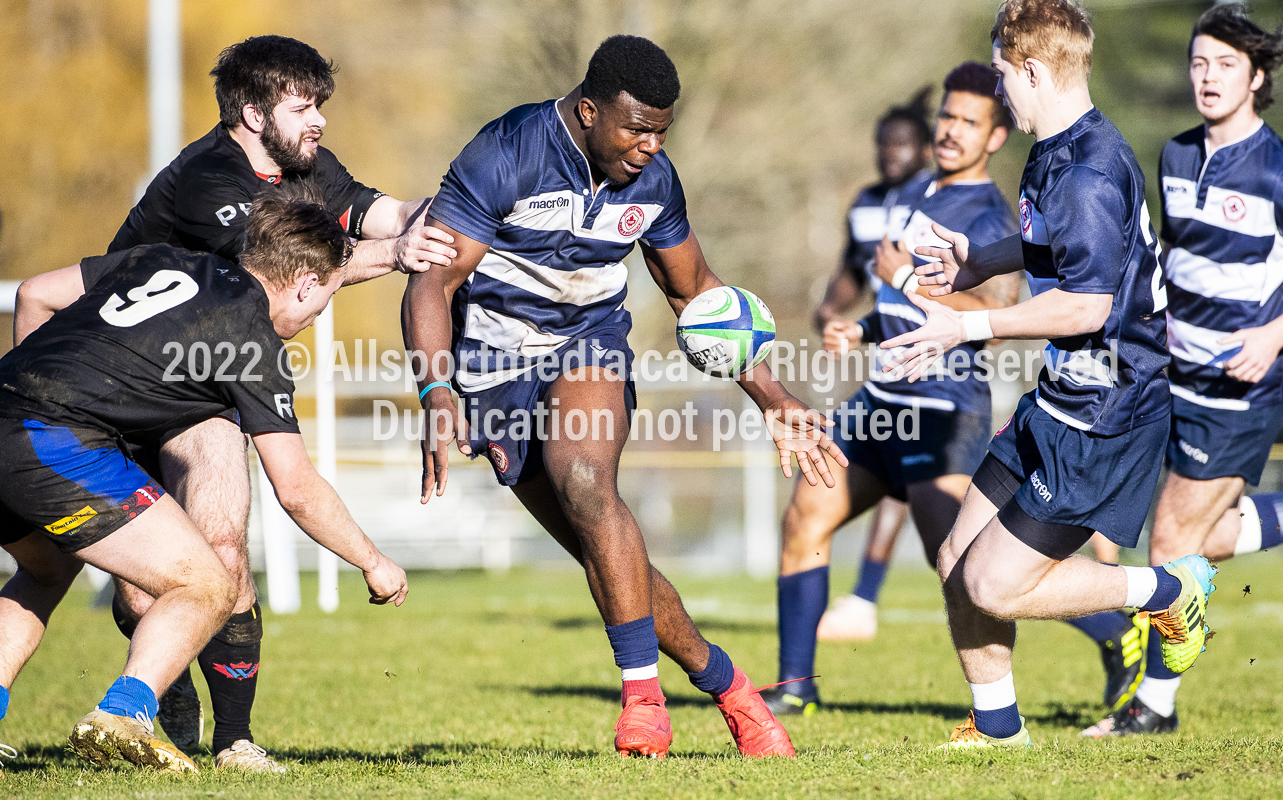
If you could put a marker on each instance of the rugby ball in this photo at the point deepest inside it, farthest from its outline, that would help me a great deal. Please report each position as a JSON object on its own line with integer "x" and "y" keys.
{"x": 726, "y": 331}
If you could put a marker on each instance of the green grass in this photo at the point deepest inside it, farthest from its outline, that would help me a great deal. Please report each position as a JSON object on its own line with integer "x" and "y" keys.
{"x": 490, "y": 686}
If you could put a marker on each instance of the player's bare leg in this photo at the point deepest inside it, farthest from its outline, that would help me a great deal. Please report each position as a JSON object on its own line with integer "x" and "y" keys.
{"x": 1105, "y": 550}
{"x": 27, "y": 600}
{"x": 582, "y": 471}
{"x": 1187, "y": 514}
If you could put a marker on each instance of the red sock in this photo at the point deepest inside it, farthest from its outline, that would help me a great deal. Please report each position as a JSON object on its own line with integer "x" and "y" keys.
{"x": 644, "y": 688}
{"x": 736, "y": 685}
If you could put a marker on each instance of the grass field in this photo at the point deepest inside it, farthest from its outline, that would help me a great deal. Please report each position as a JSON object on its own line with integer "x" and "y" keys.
{"x": 503, "y": 686}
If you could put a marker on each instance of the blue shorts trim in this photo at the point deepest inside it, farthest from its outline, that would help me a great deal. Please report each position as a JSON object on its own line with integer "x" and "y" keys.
{"x": 1077, "y": 478}
{"x": 1208, "y": 443}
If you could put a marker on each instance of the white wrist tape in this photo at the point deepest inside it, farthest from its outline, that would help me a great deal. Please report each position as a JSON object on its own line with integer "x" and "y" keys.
{"x": 976, "y": 327}
{"x": 905, "y": 279}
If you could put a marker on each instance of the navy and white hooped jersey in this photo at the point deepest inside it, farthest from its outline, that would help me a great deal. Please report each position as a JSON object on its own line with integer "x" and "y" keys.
{"x": 978, "y": 210}
{"x": 554, "y": 272}
{"x": 879, "y": 210}
{"x": 1085, "y": 229}
{"x": 1221, "y": 221}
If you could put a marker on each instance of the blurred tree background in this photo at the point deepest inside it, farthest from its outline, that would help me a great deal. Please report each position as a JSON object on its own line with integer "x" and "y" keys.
{"x": 773, "y": 132}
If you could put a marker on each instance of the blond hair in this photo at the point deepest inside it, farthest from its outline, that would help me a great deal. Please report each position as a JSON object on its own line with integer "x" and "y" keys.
{"x": 1055, "y": 32}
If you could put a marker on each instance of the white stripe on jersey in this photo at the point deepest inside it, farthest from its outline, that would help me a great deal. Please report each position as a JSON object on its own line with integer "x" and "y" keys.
{"x": 1226, "y": 209}
{"x": 1060, "y": 415}
{"x": 1083, "y": 367}
{"x": 1223, "y": 403}
{"x": 1253, "y": 283}
{"x": 577, "y": 287}
{"x": 1192, "y": 343}
{"x": 903, "y": 311}
{"x": 868, "y": 223}
{"x": 508, "y": 335}
{"x": 933, "y": 403}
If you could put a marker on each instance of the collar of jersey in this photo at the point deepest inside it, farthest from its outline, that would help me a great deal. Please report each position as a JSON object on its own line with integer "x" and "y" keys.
{"x": 1088, "y": 120}
{"x": 1209, "y": 151}
{"x": 574, "y": 149}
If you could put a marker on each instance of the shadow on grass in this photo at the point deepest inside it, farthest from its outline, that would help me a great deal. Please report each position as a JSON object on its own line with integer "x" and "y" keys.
{"x": 1068, "y": 715}
{"x": 942, "y": 710}
{"x": 32, "y": 758}
{"x": 432, "y": 753}
{"x": 607, "y": 694}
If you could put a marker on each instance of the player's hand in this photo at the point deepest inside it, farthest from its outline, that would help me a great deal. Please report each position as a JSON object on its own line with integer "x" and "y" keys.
{"x": 420, "y": 247}
{"x": 842, "y": 336}
{"x": 444, "y": 424}
{"x": 942, "y": 332}
{"x": 952, "y": 273}
{"x": 386, "y": 582}
{"x": 799, "y": 431}
{"x": 889, "y": 257}
{"x": 1260, "y": 348}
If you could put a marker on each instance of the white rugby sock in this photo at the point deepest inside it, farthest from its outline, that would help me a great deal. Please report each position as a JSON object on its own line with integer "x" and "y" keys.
{"x": 641, "y": 673}
{"x": 1159, "y": 694}
{"x": 993, "y": 696}
{"x": 1249, "y": 534}
{"x": 1142, "y": 582}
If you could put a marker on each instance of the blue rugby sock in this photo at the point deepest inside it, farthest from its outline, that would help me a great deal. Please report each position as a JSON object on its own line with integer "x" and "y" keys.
{"x": 1103, "y": 627}
{"x": 718, "y": 675}
{"x": 4, "y": 702}
{"x": 1169, "y": 588}
{"x": 869, "y": 584}
{"x": 994, "y": 705}
{"x": 1268, "y": 507}
{"x": 801, "y": 602}
{"x": 127, "y": 697}
{"x": 1154, "y": 666}
{"x": 635, "y": 643}
{"x": 1000, "y": 723}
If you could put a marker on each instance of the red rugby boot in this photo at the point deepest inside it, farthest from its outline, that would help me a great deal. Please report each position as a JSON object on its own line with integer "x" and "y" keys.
{"x": 756, "y": 730}
{"x": 643, "y": 728}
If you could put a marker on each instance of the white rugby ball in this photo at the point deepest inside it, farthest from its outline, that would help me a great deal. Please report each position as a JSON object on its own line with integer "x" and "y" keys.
{"x": 726, "y": 331}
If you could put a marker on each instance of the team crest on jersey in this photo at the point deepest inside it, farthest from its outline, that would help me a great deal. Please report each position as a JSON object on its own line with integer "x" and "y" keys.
{"x": 499, "y": 457}
{"x": 242, "y": 671}
{"x": 1234, "y": 208}
{"x": 631, "y": 221}
{"x": 1026, "y": 215}
{"x": 143, "y": 497}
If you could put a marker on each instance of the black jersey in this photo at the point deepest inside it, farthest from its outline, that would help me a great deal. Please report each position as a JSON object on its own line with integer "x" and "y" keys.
{"x": 161, "y": 339}
{"x": 201, "y": 200}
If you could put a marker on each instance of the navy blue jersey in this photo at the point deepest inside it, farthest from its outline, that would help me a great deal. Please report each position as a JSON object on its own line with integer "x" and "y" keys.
{"x": 978, "y": 210}
{"x": 555, "y": 270}
{"x": 877, "y": 211}
{"x": 1085, "y": 228}
{"x": 1224, "y": 267}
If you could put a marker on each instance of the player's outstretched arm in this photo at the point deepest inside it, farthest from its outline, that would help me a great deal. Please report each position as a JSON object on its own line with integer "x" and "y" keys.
{"x": 963, "y": 267}
{"x": 1050, "y": 315}
{"x": 425, "y": 324}
{"x": 394, "y": 236}
{"x": 683, "y": 273}
{"x": 39, "y": 297}
{"x": 315, "y": 506}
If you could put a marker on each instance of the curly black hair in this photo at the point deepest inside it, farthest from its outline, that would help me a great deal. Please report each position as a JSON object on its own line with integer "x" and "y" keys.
{"x": 1228, "y": 23}
{"x": 914, "y": 112}
{"x": 975, "y": 78}
{"x": 262, "y": 70}
{"x": 634, "y": 65}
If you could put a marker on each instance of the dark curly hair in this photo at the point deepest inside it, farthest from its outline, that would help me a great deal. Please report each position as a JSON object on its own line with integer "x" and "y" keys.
{"x": 263, "y": 70}
{"x": 973, "y": 77}
{"x": 1228, "y": 23}
{"x": 634, "y": 65}
{"x": 915, "y": 112}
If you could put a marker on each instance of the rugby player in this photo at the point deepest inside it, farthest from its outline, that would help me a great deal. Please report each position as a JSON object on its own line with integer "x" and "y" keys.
{"x": 105, "y": 370}
{"x": 1222, "y": 206}
{"x": 1084, "y": 449}
{"x": 903, "y": 141}
{"x": 270, "y": 90}
{"x": 929, "y": 462}
{"x": 544, "y": 204}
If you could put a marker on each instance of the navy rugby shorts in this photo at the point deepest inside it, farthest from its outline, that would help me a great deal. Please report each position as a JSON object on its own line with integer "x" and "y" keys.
{"x": 74, "y": 485}
{"x": 942, "y": 442}
{"x": 502, "y": 419}
{"x": 1063, "y": 483}
{"x": 1208, "y": 443}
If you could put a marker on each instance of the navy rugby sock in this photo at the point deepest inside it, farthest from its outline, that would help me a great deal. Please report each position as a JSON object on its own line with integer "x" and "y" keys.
{"x": 129, "y": 696}
{"x": 1267, "y": 509}
{"x": 1154, "y": 666}
{"x": 869, "y": 584}
{"x": 637, "y": 655}
{"x": 1169, "y": 588}
{"x": 1103, "y": 627}
{"x": 718, "y": 675}
{"x": 4, "y": 702}
{"x": 801, "y": 602}
{"x": 230, "y": 665}
{"x": 995, "y": 709}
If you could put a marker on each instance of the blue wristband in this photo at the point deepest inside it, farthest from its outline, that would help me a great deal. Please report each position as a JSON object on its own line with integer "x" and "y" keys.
{"x": 432, "y": 386}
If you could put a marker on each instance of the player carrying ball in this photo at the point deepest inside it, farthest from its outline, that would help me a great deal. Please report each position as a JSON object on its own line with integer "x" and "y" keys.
{"x": 1084, "y": 449}
{"x": 544, "y": 205}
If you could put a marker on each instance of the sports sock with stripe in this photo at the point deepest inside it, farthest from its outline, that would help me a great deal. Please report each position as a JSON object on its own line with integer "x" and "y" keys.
{"x": 1104, "y": 627}
{"x": 995, "y": 707}
{"x": 1259, "y": 527}
{"x": 801, "y": 601}
{"x": 869, "y": 584}
{"x": 1154, "y": 666}
{"x": 230, "y": 666}
{"x": 718, "y": 675}
{"x": 1151, "y": 588}
{"x": 128, "y": 697}
{"x": 637, "y": 655}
